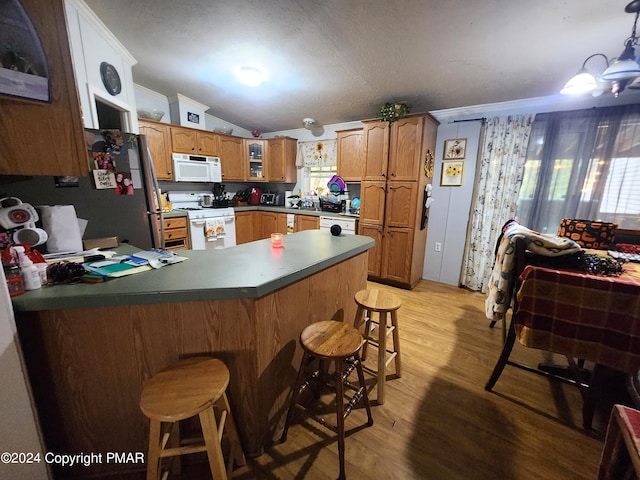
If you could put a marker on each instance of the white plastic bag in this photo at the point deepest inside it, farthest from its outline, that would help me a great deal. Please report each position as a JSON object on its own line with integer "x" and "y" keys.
{"x": 61, "y": 224}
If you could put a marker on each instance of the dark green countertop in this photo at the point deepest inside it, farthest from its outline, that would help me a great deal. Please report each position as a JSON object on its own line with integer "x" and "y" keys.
{"x": 250, "y": 270}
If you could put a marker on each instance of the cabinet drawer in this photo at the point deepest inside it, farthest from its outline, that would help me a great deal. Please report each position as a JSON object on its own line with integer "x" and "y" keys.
{"x": 178, "y": 222}
{"x": 176, "y": 233}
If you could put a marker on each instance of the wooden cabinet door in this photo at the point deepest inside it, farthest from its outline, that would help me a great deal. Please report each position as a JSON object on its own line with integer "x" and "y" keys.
{"x": 256, "y": 159}
{"x": 231, "y": 153}
{"x": 244, "y": 227}
{"x": 207, "y": 144}
{"x": 405, "y": 152}
{"x": 281, "y": 161}
{"x": 39, "y": 138}
{"x": 159, "y": 143}
{"x": 397, "y": 251}
{"x": 307, "y": 222}
{"x": 375, "y": 253}
{"x": 281, "y": 223}
{"x": 401, "y": 204}
{"x": 376, "y": 150}
{"x": 372, "y": 195}
{"x": 184, "y": 140}
{"x": 268, "y": 224}
{"x": 350, "y": 155}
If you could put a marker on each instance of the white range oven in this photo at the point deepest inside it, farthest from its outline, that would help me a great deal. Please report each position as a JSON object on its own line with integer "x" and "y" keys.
{"x": 209, "y": 227}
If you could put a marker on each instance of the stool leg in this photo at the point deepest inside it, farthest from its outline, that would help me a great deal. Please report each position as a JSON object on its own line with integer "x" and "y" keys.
{"x": 367, "y": 332}
{"x": 382, "y": 351}
{"x": 295, "y": 393}
{"x": 236, "y": 454}
{"x": 212, "y": 444}
{"x": 396, "y": 341}
{"x": 367, "y": 403}
{"x": 340, "y": 415}
{"x": 153, "y": 457}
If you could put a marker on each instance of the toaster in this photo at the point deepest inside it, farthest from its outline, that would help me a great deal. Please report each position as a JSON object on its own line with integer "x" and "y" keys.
{"x": 270, "y": 199}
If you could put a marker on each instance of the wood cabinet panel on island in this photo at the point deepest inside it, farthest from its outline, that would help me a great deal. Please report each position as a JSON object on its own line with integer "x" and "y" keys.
{"x": 45, "y": 137}
{"x": 159, "y": 143}
{"x": 350, "y": 154}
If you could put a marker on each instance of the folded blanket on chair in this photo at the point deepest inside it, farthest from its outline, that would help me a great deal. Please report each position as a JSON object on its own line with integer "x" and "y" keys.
{"x": 503, "y": 275}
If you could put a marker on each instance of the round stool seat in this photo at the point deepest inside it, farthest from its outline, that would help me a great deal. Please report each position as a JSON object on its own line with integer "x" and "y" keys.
{"x": 378, "y": 300}
{"x": 331, "y": 339}
{"x": 184, "y": 389}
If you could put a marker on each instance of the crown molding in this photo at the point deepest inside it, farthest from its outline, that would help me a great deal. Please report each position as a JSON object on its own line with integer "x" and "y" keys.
{"x": 84, "y": 10}
{"x": 150, "y": 93}
{"x": 549, "y": 103}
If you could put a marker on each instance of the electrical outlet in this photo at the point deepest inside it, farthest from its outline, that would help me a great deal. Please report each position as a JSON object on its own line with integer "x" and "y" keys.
{"x": 438, "y": 247}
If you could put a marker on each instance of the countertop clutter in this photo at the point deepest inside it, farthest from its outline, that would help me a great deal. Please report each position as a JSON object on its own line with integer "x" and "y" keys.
{"x": 208, "y": 275}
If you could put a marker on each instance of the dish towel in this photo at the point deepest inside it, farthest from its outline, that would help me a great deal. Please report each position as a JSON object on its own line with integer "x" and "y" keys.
{"x": 503, "y": 275}
{"x": 213, "y": 228}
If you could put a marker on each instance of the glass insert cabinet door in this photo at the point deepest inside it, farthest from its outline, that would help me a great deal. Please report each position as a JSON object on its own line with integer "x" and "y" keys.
{"x": 256, "y": 153}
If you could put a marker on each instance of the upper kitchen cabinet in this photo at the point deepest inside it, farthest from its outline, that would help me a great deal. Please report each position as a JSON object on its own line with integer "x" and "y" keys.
{"x": 282, "y": 160}
{"x": 406, "y": 142}
{"x": 232, "y": 159}
{"x": 49, "y": 115}
{"x": 191, "y": 141}
{"x": 376, "y": 150}
{"x": 350, "y": 154}
{"x": 159, "y": 143}
{"x": 256, "y": 155}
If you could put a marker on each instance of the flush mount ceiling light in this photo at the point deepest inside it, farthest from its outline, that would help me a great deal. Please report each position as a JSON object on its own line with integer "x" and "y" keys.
{"x": 249, "y": 75}
{"x": 308, "y": 123}
{"x": 617, "y": 74}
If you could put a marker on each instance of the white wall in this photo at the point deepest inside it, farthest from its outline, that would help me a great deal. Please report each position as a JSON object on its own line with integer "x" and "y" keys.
{"x": 91, "y": 44}
{"x": 18, "y": 428}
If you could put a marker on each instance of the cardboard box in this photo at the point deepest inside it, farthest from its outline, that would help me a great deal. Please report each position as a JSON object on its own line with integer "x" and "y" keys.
{"x": 104, "y": 242}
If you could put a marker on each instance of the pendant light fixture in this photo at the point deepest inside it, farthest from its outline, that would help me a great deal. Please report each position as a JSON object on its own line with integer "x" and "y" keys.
{"x": 617, "y": 74}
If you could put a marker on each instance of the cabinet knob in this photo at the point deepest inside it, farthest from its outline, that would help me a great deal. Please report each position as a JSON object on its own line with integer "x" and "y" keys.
{"x": 393, "y": 174}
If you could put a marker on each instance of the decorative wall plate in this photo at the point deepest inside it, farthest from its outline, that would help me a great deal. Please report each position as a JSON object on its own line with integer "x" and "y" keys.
{"x": 110, "y": 78}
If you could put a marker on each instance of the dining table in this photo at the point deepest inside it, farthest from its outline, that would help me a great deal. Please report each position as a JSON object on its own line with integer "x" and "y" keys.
{"x": 586, "y": 317}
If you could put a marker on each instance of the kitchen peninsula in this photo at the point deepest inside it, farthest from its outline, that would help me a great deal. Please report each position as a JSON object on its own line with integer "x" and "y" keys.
{"x": 89, "y": 348}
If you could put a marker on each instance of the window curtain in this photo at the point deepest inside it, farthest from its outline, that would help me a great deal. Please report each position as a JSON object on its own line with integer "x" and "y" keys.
{"x": 317, "y": 153}
{"x": 583, "y": 164}
{"x": 503, "y": 147}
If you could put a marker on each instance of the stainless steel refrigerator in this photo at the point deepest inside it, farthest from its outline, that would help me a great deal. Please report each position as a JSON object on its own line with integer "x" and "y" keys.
{"x": 131, "y": 212}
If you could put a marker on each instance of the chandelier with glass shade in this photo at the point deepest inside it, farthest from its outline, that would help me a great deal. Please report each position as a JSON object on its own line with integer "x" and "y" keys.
{"x": 619, "y": 73}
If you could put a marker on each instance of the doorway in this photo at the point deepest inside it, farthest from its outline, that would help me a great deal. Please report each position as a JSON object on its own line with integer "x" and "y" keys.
{"x": 108, "y": 116}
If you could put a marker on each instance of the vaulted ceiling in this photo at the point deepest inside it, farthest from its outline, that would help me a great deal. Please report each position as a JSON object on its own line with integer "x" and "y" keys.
{"x": 340, "y": 60}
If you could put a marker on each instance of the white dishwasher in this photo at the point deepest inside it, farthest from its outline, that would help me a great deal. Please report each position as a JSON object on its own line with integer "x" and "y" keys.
{"x": 347, "y": 224}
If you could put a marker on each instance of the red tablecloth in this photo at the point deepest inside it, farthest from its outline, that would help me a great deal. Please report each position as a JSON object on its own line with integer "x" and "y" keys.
{"x": 591, "y": 317}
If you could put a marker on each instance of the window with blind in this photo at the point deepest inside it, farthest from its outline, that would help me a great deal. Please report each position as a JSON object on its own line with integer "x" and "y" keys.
{"x": 583, "y": 164}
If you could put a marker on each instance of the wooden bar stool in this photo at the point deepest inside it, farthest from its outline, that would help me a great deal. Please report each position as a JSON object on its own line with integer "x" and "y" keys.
{"x": 339, "y": 343}
{"x": 383, "y": 302}
{"x": 195, "y": 386}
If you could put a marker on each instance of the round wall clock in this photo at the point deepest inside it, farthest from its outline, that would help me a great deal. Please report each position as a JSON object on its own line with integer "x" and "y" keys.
{"x": 110, "y": 78}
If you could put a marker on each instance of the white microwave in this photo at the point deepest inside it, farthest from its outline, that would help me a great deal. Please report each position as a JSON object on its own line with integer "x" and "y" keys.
{"x": 196, "y": 168}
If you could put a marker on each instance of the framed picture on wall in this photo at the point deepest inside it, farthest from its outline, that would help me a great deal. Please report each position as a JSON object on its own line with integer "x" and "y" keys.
{"x": 455, "y": 148}
{"x": 452, "y": 172}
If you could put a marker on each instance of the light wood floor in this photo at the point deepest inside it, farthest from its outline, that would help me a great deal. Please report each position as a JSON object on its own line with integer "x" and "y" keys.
{"x": 438, "y": 422}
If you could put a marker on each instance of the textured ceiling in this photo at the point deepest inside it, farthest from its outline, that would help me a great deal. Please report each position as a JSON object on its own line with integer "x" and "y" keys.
{"x": 340, "y": 60}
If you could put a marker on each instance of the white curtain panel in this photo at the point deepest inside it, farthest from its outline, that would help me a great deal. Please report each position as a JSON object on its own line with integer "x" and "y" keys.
{"x": 503, "y": 150}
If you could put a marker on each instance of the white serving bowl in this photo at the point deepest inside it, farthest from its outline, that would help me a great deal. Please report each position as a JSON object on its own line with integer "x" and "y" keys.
{"x": 150, "y": 114}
